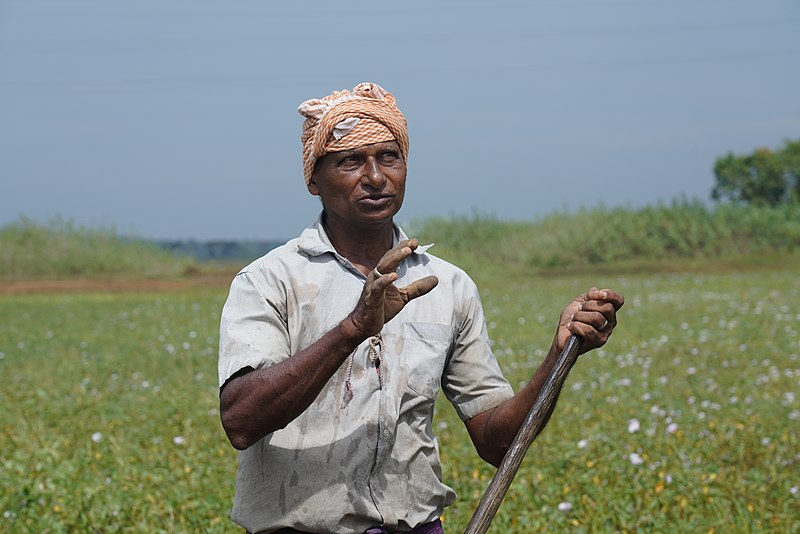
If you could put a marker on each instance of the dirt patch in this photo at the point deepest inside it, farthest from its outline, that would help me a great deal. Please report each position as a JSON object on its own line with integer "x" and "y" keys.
{"x": 17, "y": 287}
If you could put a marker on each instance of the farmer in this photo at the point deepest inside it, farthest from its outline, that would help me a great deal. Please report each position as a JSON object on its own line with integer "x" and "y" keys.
{"x": 333, "y": 347}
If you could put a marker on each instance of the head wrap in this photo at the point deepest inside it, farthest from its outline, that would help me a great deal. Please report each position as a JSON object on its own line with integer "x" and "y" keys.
{"x": 345, "y": 120}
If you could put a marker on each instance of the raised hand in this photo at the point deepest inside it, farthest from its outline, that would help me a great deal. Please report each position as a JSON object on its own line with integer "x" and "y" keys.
{"x": 380, "y": 299}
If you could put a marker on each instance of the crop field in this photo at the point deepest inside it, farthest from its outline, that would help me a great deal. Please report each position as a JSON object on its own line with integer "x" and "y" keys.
{"x": 687, "y": 421}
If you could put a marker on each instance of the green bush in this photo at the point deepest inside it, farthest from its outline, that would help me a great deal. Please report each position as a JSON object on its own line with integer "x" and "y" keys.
{"x": 681, "y": 229}
{"x": 60, "y": 249}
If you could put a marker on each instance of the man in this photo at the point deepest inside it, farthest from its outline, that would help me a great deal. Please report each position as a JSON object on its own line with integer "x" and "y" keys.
{"x": 333, "y": 347}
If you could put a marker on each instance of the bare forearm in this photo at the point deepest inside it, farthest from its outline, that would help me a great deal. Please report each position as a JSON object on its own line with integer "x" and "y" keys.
{"x": 264, "y": 400}
{"x": 591, "y": 316}
{"x": 499, "y": 426}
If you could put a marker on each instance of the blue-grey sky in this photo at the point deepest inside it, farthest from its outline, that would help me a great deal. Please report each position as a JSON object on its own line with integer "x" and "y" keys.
{"x": 177, "y": 119}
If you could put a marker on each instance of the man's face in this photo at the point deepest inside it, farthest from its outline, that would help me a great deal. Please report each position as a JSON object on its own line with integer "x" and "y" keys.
{"x": 363, "y": 185}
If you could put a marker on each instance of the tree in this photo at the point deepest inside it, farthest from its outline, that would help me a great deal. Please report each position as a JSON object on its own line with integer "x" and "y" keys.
{"x": 791, "y": 163}
{"x": 763, "y": 177}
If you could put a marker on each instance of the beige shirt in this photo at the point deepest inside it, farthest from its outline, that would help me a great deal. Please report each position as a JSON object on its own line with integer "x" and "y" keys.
{"x": 345, "y": 466}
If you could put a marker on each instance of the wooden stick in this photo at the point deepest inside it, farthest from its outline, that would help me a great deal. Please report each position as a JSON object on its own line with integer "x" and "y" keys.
{"x": 533, "y": 424}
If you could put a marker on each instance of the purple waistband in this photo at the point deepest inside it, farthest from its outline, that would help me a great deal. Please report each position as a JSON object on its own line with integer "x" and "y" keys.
{"x": 434, "y": 527}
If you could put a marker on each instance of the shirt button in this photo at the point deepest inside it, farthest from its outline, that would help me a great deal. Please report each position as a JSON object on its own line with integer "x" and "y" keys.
{"x": 386, "y": 433}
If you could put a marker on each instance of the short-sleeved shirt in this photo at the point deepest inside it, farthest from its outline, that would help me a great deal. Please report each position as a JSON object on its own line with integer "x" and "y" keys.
{"x": 349, "y": 465}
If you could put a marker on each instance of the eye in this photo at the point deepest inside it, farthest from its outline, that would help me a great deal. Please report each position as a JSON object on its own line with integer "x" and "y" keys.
{"x": 350, "y": 161}
{"x": 389, "y": 156}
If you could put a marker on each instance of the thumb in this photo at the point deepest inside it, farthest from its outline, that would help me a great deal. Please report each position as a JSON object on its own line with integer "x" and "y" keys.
{"x": 420, "y": 287}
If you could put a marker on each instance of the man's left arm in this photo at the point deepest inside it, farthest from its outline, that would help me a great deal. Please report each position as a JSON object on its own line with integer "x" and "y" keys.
{"x": 593, "y": 317}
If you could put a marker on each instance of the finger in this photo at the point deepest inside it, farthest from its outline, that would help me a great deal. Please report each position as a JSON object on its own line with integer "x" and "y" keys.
{"x": 381, "y": 281}
{"x": 607, "y": 309}
{"x": 595, "y": 319}
{"x": 591, "y": 335}
{"x": 397, "y": 254}
{"x": 607, "y": 295}
{"x": 420, "y": 287}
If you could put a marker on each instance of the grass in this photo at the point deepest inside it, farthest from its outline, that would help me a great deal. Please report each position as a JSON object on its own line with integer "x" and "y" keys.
{"x": 60, "y": 249}
{"x": 110, "y": 420}
{"x": 681, "y": 230}
{"x": 648, "y": 238}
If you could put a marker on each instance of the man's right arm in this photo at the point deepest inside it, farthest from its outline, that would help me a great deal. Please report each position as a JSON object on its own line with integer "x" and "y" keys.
{"x": 261, "y": 401}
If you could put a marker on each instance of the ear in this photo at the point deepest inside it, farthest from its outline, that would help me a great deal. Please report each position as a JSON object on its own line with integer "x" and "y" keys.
{"x": 312, "y": 186}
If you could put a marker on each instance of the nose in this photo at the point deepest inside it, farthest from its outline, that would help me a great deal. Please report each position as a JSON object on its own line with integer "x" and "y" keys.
{"x": 373, "y": 175}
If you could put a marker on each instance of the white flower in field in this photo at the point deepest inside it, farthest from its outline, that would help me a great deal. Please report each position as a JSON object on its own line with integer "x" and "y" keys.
{"x": 97, "y": 437}
{"x": 633, "y": 426}
{"x": 672, "y": 428}
{"x": 765, "y": 442}
{"x": 794, "y": 415}
{"x": 793, "y": 490}
{"x": 691, "y": 371}
{"x": 635, "y": 459}
{"x": 668, "y": 478}
{"x": 178, "y": 440}
{"x": 582, "y": 444}
{"x": 565, "y": 507}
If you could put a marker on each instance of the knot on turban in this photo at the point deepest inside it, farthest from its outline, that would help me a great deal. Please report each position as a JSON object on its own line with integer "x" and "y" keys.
{"x": 345, "y": 120}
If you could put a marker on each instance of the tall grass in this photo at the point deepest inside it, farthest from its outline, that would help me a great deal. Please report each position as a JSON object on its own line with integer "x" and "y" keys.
{"x": 680, "y": 229}
{"x": 60, "y": 249}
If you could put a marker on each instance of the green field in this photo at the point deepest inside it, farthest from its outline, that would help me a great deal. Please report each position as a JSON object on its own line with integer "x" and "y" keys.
{"x": 688, "y": 421}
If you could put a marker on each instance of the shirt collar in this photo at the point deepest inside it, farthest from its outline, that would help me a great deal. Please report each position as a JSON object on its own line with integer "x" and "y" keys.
{"x": 315, "y": 242}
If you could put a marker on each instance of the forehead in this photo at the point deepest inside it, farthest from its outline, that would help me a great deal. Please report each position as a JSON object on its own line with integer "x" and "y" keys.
{"x": 366, "y": 149}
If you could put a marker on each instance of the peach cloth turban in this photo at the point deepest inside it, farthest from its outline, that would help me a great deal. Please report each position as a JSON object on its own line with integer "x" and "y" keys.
{"x": 345, "y": 120}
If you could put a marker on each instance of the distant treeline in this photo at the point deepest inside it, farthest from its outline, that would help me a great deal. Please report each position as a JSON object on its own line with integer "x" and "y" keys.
{"x": 243, "y": 251}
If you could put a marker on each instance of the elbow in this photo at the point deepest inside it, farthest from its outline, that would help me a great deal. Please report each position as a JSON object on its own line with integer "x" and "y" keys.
{"x": 239, "y": 441}
{"x": 238, "y": 429}
{"x": 237, "y": 435}
{"x": 494, "y": 457}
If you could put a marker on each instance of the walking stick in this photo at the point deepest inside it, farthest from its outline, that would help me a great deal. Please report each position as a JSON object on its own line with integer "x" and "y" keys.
{"x": 533, "y": 424}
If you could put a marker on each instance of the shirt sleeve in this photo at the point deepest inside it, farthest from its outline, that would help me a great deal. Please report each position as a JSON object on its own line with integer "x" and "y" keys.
{"x": 472, "y": 379}
{"x": 253, "y": 330}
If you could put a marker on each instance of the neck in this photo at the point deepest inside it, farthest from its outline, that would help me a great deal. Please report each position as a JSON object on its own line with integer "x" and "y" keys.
{"x": 362, "y": 245}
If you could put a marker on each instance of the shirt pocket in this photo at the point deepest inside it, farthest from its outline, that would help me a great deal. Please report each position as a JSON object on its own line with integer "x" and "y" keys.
{"x": 426, "y": 347}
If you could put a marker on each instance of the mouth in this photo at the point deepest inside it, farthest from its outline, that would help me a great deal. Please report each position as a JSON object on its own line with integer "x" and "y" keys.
{"x": 376, "y": 201}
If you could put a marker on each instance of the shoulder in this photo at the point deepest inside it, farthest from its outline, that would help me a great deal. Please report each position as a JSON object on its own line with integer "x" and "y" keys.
{"x": 271, "y": 270}
{"x": 289, "y": 253}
